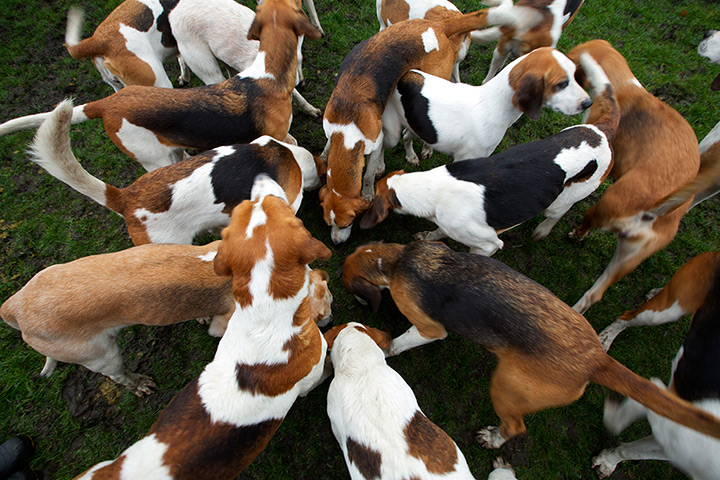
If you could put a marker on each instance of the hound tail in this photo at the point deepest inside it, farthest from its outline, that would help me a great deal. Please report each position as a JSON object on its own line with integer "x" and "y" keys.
{"x": 620, "y": 379}
{"x": 705, "y": 184}
{"x": 521, "y": 19}
{"x": 35, "y": 120}
{"x": 51, "y": 150}
{"x": 603, "y": 96}
{"x": 76, "y": 47}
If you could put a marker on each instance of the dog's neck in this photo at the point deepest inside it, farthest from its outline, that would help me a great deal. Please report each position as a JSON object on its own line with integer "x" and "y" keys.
{"x": 496, "y": 96}
{"x": 277, "y": 57}
{"x": 420, "y": 192}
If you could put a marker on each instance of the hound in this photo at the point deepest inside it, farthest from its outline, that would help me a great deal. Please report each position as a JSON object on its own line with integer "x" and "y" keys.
{"x": 547, "y": 352}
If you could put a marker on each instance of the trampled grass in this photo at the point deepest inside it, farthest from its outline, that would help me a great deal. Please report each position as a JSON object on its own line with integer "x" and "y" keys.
{"x": 43, "y": 222}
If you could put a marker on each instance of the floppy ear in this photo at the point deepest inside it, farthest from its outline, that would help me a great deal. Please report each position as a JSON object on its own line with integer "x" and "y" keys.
{"x": 304, "y": 27}
{"x": 320, "y": 166}
{"x": 324, "y": 190}
{"x": 254, "y": 31}
{"x": 382, "y": 339}
{"x": 367, "y": 291}
{"x": 314, "y": 249}
{"x": 332, "y": 334}
{"x": 715, "y": 85}
{"x": 529, "y": 96}
{"x": 220, "y": 265}
{"x": 379, "y": 209}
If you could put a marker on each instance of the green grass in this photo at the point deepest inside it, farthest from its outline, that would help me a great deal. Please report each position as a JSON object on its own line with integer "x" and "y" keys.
{"x": 43, "y": 222}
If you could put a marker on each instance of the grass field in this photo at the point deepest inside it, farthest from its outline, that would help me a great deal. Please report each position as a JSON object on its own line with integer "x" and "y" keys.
{"x": 78, "y": 418}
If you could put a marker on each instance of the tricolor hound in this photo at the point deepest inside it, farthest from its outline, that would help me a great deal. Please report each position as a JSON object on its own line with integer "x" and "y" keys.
{"x": 473, "y": 200}
{"x": 153, "y": 124}
{"x": 547, "y": 352}
{"x": 173, "y": 204}
{"x": 366, "y": 79}
{"x": 271, "y": 353}
{"x": 694, "y": 289}
{"x": 468, "y": 121}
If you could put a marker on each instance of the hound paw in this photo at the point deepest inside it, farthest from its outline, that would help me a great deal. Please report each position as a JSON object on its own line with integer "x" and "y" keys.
{"x": 426, "y": 151}
{"x": 603, "y": 466}
{"x": 413, "y": 159}
{"x": 500, "y": 463}
{"x": 204, "y": 320}
{"x": 313, "y": 111}
{"x": 141, "y": 385}
{"x": 490, "y": 437}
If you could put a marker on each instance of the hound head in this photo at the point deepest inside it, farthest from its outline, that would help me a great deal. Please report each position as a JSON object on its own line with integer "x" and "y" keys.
{"x": 368, "y": 269}
{"x": 385, "y": 201}
{"x": 282, "y": 14}
{"x": 265, "y": 232}
{"x": 339, "y": 212}
{"x": 546, "y": 77}
{"x": 320, "y": 298}
{"x": 710, "y": 49}
{"x": 357, "y": 334}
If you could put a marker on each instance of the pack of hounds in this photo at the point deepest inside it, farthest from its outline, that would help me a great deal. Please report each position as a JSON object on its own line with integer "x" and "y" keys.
{"x": 255, "y": 288}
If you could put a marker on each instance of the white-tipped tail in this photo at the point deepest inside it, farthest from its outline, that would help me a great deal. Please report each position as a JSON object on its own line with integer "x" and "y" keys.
{"x": 35, "y": 120}
{"x": 51, "y": 150}
{"x": 595, "y": 74}
{"x": 74, "y": 26}
{"x": 521, "y": 18}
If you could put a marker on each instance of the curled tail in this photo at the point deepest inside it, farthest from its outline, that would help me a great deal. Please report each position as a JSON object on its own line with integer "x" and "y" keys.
{"x": 521, "y": 19}
{"x": 76, "y": 47}
{"x": 620, "y": 379}
{"x": 51, "y": 150}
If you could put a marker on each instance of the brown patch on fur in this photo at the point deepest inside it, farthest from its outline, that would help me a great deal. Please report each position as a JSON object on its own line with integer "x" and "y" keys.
{"x": 367, "y": 460}
{"x": 361, "y": 275}
{"x": 304, "y": 351}
{"x": 228, "y": 448}
{"x": 431, "y": 444}
{"x": 384, "y": 202}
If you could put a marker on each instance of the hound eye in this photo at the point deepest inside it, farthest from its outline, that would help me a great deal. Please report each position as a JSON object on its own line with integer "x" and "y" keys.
{"x": 561, "y": 85}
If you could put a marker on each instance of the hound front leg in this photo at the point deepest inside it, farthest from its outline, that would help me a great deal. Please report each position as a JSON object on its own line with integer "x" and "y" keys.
{"x": 304, "y": 104}
{"x": 408, "y": 340}
{"x": 375, "y": 167}
{"x": 644, "y": 449}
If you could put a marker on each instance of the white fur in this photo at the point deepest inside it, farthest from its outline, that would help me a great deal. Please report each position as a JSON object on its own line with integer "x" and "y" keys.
{"x": 208, "y": 257}
{"x": 262, "y": 329}
{"x": 144, "y": 145}
{"x": 645, "y": 318}
{"x": 430, "y": 40}
{"x": 471, "y": 121}
{"x": 408, "y": 340}
{"x": 369, "y": 402}
{"x": 710, "y": 139}
{"x": 710, "y": 47}
{"x": 696, "y": 454}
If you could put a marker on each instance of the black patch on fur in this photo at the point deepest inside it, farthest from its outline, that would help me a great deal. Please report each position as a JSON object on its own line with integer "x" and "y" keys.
{"x": 143, "y": 22}
{"x": 523, "y": 180}
{"x": 416, "y": 106}
{"x": 209, "y": 123}
{"x": 584, "y": 174}
{"x": 697, "y": 375}
{"x": 233, "y": 176}
{"x": 571, "y": 7}
{"x": 366, "y": 460}
{"x": 382, "y": 61}
{"x": 163, "y": 24}
{"x": 477, "y": 297}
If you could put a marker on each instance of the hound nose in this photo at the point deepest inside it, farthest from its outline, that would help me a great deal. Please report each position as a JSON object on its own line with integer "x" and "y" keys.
{"x": 709, "y": 33}
{"x": 586, "y": 103}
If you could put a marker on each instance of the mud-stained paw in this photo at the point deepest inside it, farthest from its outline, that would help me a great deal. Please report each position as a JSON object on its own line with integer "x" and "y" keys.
{"x": 413, "y": 159}
{"x": 141, "y": 385}
{"x": 489, "y": 437}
